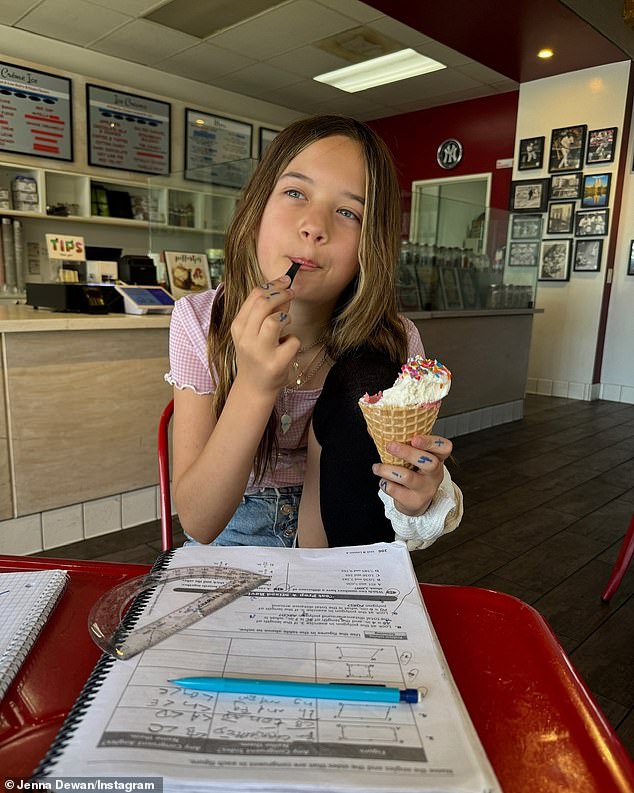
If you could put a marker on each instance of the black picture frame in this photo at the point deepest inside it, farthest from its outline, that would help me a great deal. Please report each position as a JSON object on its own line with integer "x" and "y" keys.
{"x": 592, "y": 222}
{"x": 265, "y": 136}
{"x": 526, "y": 227}
{"x": 217, "y": 149}
{"x": 531, "y": 154}
{"x": 587, "y": 258}
{"x": 561, "y": 216}
{"x": 567, "y": 148}
{"x": 554, "y": 260}
{"x": 529, "y": 195}
{"x": 523, "y": 254}
{"x": 37, "y": 112}
{"x": 601, "y": 145}
{"x": 596, "y": 190}
{"x": 143, "y": 140}
{"x": 565, "y": 186}
{"x": 630, "y": 264}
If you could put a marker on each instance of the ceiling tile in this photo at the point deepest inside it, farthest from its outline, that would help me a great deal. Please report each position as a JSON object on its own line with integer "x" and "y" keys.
{"x": 204, "y": 62}
{"x": 480, "y": 73}
{"x": 256, "y": 80}
{"x": 360, "y": 12}
{"x": 360, "y": 107}
{"x": 209, "y": 17}
{"x": 75, "y": 21}
{"x": 282, "y": 29}
{"x": 12, "y": 10}
{"x": 302, "y": 94}
{"x": 144, "y": 42}
{"x": 135, "y": 8}
{"x": 308, "y": 61}
{"x": 502, "y": 86}
{"x": 400, "y": 32}
{"x": 446, "y": 55}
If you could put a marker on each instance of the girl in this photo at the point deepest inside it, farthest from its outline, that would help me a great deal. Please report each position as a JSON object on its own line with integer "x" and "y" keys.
{"x": 249, "y": 360}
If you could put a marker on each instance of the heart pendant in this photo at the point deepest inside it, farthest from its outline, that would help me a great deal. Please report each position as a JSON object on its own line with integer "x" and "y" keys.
{"x": 285, "y": 423}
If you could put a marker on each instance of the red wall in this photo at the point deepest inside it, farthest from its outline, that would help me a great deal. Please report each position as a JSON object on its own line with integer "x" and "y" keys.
{"x": 485, "y": 128}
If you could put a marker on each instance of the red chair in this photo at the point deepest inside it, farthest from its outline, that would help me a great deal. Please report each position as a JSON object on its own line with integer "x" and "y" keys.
{"x": 621, "y": 564}
{"x": 164, "y": 476}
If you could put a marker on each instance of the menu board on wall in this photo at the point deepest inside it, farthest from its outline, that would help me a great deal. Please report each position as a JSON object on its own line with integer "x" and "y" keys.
{"x": 35, "y": 113}
{"x": 127, "y": 132}
{"x": 266, "y": 136}
{"x": 217, "y": 150}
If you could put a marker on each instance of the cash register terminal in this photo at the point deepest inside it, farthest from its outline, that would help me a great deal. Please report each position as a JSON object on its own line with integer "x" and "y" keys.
{"x": 145, "y": 299}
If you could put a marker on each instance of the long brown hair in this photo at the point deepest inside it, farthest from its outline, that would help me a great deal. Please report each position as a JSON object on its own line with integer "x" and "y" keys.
{"x": 366, "y": 313}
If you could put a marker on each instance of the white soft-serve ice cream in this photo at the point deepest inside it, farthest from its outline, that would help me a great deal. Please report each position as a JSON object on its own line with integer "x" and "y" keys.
{"x": 409, "y": 407}
{"x": 422, "y": 381}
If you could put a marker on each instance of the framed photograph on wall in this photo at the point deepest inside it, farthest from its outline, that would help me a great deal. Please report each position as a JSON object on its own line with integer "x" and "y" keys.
{"x": 630, "y": 264}
{"x": 530, "y": 195}
{"x": 523, "y": 254}
{"x": 591, "y": 222}
{"x": 186, "y": 272}
{"x": 560, "y": 217}
{"x": 450, "y": 288}
{"x": 587, "y": 256}
{"x": 596, "y": 190}
{"x": 531, "y": 154}
{"x": 565, "y": 186}
{"x": 526, "y": 227}
{"x": 554, "y": 260}
{"x": 601, "y": 145}
{"x": 567, "y": 147}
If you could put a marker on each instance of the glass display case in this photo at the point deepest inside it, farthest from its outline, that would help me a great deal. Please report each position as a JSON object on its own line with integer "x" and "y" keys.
{"x": 462, "y": 255}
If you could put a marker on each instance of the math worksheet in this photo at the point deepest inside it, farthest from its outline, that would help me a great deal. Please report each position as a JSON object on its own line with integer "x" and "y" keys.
{"x": 344, "y": 615}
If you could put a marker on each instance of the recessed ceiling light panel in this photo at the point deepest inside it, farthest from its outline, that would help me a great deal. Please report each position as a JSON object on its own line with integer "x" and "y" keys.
{"x": 380, "y": 71}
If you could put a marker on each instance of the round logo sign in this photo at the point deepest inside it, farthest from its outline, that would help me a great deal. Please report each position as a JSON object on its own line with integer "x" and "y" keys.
{"x": 449, "y": 153}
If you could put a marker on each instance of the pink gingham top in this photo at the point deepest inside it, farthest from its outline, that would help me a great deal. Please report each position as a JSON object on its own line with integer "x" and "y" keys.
{"x": 189, "y": 368}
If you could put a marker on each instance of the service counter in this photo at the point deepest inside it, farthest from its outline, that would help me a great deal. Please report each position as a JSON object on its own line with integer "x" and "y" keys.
{"x": 81, "y": 398}
{"x": 82, "y": 394}
{"x": 486, "y": 350}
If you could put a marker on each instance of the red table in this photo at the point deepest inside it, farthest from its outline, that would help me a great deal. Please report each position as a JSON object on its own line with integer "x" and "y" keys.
{"x": 536, "y": 719}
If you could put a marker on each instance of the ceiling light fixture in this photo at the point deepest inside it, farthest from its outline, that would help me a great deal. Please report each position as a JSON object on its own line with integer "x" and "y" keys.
{"x": 545, "y": 53}
{"x": 379, "y": 71}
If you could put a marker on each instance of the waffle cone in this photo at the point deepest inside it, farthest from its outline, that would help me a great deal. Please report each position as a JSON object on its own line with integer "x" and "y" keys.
{"x": 387, "y": 424}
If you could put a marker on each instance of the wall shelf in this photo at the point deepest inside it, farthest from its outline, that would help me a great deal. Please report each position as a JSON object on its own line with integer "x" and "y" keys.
{"x": 169, "y": 205}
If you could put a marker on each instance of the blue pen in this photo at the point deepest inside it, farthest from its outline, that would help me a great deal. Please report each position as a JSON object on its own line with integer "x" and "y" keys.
{"x": 290, "y": 688}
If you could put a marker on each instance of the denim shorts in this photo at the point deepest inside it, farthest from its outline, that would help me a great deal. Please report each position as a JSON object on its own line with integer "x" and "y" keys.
{"x": 266, "y": 517}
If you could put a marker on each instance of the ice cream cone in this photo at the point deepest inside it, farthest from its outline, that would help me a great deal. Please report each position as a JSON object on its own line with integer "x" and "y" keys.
{"x": 389, "y": 423}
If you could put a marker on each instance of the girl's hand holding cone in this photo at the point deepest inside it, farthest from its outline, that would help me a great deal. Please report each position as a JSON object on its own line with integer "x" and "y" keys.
{"x": 413, "y": 488}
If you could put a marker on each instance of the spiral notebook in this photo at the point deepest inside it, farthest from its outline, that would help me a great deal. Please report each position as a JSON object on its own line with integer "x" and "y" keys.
{"x": 351, "y": 615}
{"x": 26, "y": 600}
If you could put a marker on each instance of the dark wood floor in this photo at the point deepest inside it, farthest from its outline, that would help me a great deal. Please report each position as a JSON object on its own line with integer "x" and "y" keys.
{"x": 547, "y": 503}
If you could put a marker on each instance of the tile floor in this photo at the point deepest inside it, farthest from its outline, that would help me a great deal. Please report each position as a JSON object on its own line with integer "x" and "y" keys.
{"x": 548, "y": 499}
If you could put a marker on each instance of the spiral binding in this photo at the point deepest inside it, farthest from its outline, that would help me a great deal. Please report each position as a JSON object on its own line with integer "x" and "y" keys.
{"x": 94, "y": 682}
{"x": 16, "y": 652}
